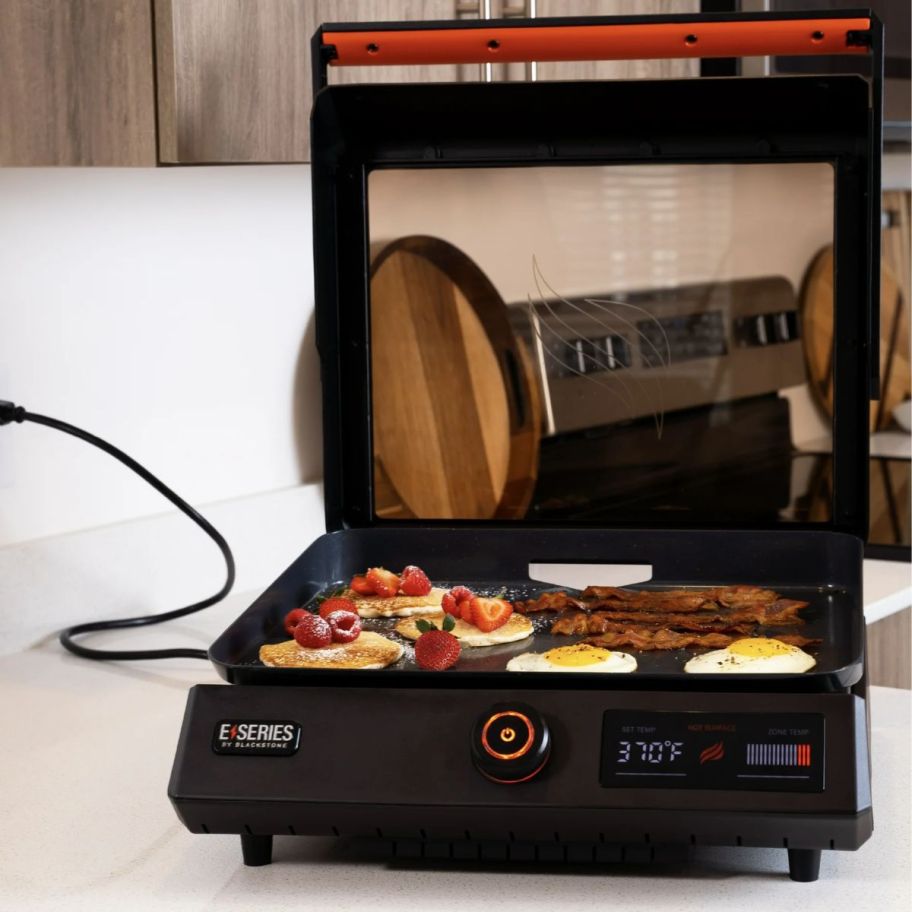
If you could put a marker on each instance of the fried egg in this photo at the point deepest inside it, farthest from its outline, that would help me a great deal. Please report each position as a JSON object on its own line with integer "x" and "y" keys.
{"x": 753, "y": 655}
{"x": 578, "y": 657}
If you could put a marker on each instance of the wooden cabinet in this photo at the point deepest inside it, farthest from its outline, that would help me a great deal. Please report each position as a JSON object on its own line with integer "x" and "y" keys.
{"x": 889, "y": 661}
{"x": 78, "y": 77}
{"x": 234, "y": 78}
{"x": 76, "y": 82}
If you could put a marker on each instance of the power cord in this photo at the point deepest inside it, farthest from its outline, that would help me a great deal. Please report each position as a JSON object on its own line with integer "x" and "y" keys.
{"x": 9, "y": 412}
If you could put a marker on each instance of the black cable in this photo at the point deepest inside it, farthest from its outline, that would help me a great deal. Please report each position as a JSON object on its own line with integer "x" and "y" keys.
{"x": 13, "y": 413}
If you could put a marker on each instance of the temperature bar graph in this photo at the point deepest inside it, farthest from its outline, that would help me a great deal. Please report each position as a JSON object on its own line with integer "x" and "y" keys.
{"x": 778, "y": 754}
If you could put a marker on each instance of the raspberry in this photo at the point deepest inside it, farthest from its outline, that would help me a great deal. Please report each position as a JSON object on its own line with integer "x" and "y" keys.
{"x": 345, "y": 626}
{"x": 436, "y": 650}
{"x": 450, "y": 605}
{"x": 385, "y": 584}
{"x": 414, "y": 581}
{"x": 291, "y": 620}
{"x": 313, "y": 632}
{"x": 456, "y": 602}
{"x": 337, "y": 604}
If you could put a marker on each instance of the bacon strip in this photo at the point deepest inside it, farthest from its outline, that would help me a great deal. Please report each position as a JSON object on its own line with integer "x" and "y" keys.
{"x": 781, "y": 613}
{"x": 548, "y": 601}
{"x": 663, "y": 639}
{"x": 676, "y": 600}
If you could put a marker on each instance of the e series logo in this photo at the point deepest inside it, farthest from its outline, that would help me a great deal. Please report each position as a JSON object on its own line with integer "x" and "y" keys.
{"x": 256, "y": 736}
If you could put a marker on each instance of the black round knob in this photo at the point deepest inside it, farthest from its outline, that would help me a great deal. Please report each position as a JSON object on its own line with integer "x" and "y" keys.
{"x": 510, "y": 743}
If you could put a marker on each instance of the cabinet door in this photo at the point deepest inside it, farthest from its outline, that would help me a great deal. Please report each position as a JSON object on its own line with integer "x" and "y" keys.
{"x": 76, "y": 83}
{"x": 617, "y": 69}
{"x": 234, "y": 77}
{"x": 233, "y": 80}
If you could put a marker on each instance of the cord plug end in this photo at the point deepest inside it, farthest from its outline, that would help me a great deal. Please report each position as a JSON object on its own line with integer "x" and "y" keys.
{"x": 9, "y": 411}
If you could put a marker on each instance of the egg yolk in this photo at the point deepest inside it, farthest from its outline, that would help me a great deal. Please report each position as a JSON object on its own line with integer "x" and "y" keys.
{"x": 759, "y": 647}
{"x": 577, "y": 656}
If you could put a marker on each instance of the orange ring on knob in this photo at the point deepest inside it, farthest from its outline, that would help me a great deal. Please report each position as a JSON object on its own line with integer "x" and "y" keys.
{"x": 516, "y": 754}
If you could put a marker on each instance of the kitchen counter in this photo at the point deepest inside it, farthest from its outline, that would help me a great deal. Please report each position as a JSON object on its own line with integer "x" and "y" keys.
{"x": 87, "y": 825}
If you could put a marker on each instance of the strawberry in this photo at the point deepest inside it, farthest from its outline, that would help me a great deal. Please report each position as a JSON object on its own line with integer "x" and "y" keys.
{"x": 291, "y": 620}
{"x": 313, "y": 632}
{"x": 437, "y": 650}
{"x": 345, "y": 626}
{"x": 361, "y": 585}
{"x": 384, "y": 583}
{"x": 337, "y": 604}
{"x": 489, "y": 613}
{"x": 414, "y": 581}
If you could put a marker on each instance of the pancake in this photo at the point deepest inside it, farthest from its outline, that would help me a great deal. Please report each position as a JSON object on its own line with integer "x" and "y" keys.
{"x": 369, "y": 651}
{"x": 374, "y": 606}
{"x": 517, "y": 627}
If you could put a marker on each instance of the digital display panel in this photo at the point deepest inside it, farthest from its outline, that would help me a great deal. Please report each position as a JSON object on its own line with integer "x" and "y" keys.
{"x": 746, "y": 751}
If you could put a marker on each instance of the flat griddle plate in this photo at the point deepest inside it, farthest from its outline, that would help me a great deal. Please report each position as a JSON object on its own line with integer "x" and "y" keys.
{"x": 831, "y": 617}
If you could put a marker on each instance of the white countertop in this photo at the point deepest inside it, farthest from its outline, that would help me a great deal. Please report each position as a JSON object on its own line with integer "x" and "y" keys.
{"x": 887, "y": 588}
{"x": 87, "y": 752}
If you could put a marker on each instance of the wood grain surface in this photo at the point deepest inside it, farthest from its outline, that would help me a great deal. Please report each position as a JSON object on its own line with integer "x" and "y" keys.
{"x": 233, "y": 80}
{"x": 76, "y": 83}
{"x": 455, "y": 429}
{"x": 817, "y": 318}
{"x": 234, "y": 76}
{"x": 890, "y": 650}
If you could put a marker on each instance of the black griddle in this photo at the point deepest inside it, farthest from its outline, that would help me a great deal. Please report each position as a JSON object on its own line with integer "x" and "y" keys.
{"x": 830, "y": 617}
{"x": 834, "y": 614}
{"x": 319, "y": 752}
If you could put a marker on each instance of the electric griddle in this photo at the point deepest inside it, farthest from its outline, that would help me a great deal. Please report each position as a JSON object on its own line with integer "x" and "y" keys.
{"x": 653, "y": 758}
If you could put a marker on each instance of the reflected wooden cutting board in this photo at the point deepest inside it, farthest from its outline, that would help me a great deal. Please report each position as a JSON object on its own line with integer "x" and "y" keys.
{"x": 456, "y": 411}
{"x": 817, "y": 318}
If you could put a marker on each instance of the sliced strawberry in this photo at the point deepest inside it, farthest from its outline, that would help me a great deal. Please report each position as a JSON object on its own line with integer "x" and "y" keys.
{"x": 414, "y": 581}
{"x": 489, "y": 613}
{"x": 461, "y": 593}
{"x": 292, "y": 618}
{"x": 384, "y": 582}
{"x": 337, "y": 604}
{"x": 361, "y": 585}
{"x": 436, "y": 650}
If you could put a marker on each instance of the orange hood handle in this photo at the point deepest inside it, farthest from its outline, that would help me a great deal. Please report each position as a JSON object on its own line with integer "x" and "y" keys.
{"x": 489, "y": 43}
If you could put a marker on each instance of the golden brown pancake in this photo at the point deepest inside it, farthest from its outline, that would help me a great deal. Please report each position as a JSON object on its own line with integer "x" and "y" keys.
{"x": 371, "y": 606}
{"x": 369, "y": 650}
{"x": 517, "y": 627}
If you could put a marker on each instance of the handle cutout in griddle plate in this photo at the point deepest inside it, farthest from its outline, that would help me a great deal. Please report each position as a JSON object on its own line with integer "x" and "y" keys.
{"x": 400, "y": 44}
{"x": 579, "y": 576}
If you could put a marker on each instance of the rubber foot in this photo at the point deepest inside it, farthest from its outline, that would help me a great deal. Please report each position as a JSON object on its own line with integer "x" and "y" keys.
{"x": 256, "y": 849}
{"x": 804, "y": 865}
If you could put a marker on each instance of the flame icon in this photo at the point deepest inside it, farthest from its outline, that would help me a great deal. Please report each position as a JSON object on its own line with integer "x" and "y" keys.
{"x": 233, "y": 733}
{"x": 713, "y": 752}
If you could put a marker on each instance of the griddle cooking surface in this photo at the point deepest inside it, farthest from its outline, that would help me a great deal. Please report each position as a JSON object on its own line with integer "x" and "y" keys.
{"x": 829, "y": 617}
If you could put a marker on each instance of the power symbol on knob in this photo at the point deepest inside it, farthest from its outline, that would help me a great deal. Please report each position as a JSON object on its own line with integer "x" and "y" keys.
{"x": 510, "y": 743}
